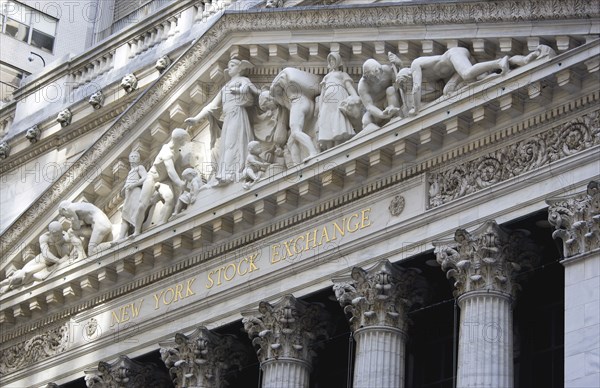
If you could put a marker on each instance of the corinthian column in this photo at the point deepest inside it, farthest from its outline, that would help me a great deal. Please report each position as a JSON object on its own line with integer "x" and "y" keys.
{"x": 376, "y": 301}
{"x": 285, "y": 335}
{"x": 202, "y": 359}
{"x": 577, "y": 222}
{"x": 482, "y": 264}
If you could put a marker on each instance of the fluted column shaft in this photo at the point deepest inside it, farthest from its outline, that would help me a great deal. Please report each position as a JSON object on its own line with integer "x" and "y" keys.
{"x": 376, "y": 301}
{"x": 485, "y": 342}
{"x": 285, "y": 373}
{"x": 380, "y": 357}
{"x": 286, "y": 335}
{"x": 483, "y": 264}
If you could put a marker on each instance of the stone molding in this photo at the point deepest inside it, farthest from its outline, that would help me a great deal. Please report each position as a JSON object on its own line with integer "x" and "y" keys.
{"x": 577, "y": 220}
{"x": 288, "y": 329}
{"x": 380, "y": 295}
{"x": 39, "y": 347}
{"x": 203, "y": 358}
{"x": 514, "y": 160}
{"x": 126, "y": 373}
{"x": 295, "y": 19}
{"x": 487, "y": 258}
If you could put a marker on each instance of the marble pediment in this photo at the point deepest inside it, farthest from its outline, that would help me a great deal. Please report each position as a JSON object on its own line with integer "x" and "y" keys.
{"x": 227, "y": 217}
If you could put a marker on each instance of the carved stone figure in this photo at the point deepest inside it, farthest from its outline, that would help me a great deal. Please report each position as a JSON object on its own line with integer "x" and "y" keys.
{"x": 336, "y": 88}
{"x": 33, "y": 134}
{"x": 296, "y": 90}
{"x": 4, "y": 150}
{"x": 129, "y": 83}
{"x": 378, "y": 94}
{"x": 97, "y": 99}
{"x": 455, "y": 68}
{"x": 164, "y": 171}
{"x": 64, "y": 117}
{"x": 542, "y": 51}
{"x": 271, "y": 127}
{"x": 88, "y": 222}
{"x": 162, "y": 63}
{"x": 193, "y": 185}
{"x": 236, "y": 131}
{"x": 55, "y": 245}
{"x": 255, "y": 165}
{"x": 131, "y": 191}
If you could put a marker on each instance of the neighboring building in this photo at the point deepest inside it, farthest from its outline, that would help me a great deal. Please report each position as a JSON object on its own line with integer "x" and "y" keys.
{"x": 457, "y": 243}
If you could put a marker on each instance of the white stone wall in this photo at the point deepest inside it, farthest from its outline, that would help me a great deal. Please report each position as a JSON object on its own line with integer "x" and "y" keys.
{"x": 582, "y": 322}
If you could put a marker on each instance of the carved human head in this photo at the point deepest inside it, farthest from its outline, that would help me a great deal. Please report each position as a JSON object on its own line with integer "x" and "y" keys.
{"x": 404, "y": 77}
{"x": 33, "y": 134}
{"x": 4, "y": 150}
{"x": 64, "y": 117}
{"x": 237, "y": 67}
{"x": 189, "y": 173}
{"x": 63, "y": 208}
{"x": 134, "y": 157}
{"x": 254, "y": 147}
{"x": 372, "y": 69}
{"x": 97, "y": 99}
{"x": 55, "y": 228}
{"x": 334, "y": 61}
{"x": 180, "y": 136}
{"x": 129, "y": 83}
{"x": 162, "y": 63}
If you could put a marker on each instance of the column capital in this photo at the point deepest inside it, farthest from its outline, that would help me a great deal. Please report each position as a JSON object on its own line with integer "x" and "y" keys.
{"x": 202, "y": 358}
{"x": 380, "y": 295}
{"x": 287, "y": 329}
{"x": 125, "y": 373}
{"x": 486, "y": 258}
{"x": 577, "y": 220}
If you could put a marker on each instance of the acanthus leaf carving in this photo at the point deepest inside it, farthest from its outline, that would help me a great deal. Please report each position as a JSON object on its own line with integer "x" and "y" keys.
{"x": 380, "y": 296}
{"x": 203, "y": 358}
{"x": 487, "y": 258}
{"x": 126, "y": 373}
{"x": 577, "y": 220}
{"x": 289, "y": 328}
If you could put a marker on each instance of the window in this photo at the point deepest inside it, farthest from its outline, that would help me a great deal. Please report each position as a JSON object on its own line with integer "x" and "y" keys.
{"x": 27, "y": 24}
{"x": 10, "y": 79}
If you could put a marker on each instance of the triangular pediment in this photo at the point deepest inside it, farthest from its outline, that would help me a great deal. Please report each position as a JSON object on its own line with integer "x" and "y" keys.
{"x": 471, "y": 123}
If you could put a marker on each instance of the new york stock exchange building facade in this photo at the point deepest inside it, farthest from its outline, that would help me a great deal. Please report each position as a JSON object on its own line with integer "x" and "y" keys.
{"x": 310, "y": 194}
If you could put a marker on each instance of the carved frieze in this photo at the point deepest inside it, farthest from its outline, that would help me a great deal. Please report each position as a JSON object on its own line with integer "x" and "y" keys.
{"x": 508, "y": 162}
{"x": 487, "y": 258}
{"x": 287, "y": 329}
{"x": 203, "y": 358}
{"x": 577, "y": 220}
{"x": 39, "y": 347}
{"x": 380, "y": 296}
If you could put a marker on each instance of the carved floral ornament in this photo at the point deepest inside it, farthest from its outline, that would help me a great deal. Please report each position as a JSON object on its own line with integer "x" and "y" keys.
{"x": 534, "y": 152}
{"x": 380, "y": 296}
{"x": 577, "y": 220}
{"x": 289, "y": 328}
{"x": 39, "y": 347}
{"x": 487, "y": 258}
{"x": 331, "y": 18}
{"x": 203, "y": 358}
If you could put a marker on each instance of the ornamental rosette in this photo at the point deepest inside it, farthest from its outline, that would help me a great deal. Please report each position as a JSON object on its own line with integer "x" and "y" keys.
{"x": 380, "y": 296}
{"x": 289, "y": 328}
{"x": 203, "y": 358}
{"x": 577, "y": 220}
{"x": 487, "y": 258}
